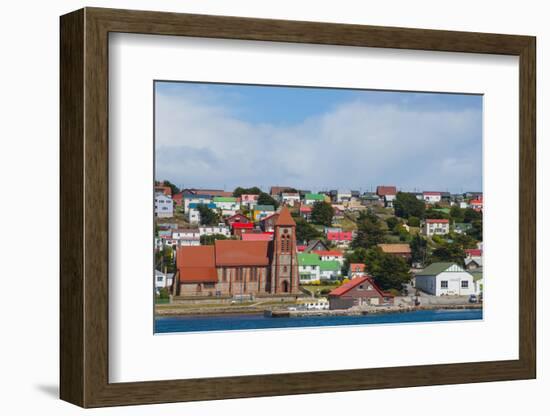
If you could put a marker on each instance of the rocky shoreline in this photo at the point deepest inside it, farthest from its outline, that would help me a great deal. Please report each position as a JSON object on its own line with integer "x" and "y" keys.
{"x": 285, "y": 313}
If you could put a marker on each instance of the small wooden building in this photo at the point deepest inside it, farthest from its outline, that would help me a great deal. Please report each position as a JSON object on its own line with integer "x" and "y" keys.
{"x": 358, "y": 292}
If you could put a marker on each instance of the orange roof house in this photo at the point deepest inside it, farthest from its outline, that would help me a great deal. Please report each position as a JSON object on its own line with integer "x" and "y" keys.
{"x": 401, "y": 249}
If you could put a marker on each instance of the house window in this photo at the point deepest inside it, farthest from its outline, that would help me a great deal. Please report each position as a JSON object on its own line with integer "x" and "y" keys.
{"x": 159, "y": 279}
{"x": 444, "y": 284}
{"x": 464, "y": 284}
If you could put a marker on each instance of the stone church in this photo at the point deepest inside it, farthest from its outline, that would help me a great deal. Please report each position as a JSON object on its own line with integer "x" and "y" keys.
{"x": 235, "y": 267}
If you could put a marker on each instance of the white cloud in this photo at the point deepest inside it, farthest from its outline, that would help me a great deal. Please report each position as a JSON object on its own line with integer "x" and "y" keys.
{"x": 357, "y": 145}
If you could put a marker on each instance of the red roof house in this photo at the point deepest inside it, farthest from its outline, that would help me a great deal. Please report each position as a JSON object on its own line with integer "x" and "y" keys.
{"x": 358, "y": 292}
{"x": 386, "y": 190}
{"x": 340, "y": 236}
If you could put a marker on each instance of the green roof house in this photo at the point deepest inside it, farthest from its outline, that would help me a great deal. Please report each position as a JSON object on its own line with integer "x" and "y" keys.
{"x": 309, "y": 267}
{"x": 445, "y": 278}
{"x": 329, "y": 269}
{"x": 310, "y": 199}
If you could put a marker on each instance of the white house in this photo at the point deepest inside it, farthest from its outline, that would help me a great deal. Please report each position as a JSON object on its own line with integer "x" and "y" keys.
{"x": 193, "y": 214}
{"x": 163, "y": 280}
{"x": 195, "y": 199}
{"x": 343, "y": 196}
{"x": 435, "y": 227}
{"x": 431, "y": 197}
{"x": 330, "y": 255}
{"x": 187, "y": 237}
{"x": 445, "y": 279}
{"x": 309, "y": 267}
{"x": 290, "y": 198}
{"x": 249, "y": 200}
{"x": 164, "y": 206}
{"x": 215, "y": 229}
{"x": 310, "y": 199}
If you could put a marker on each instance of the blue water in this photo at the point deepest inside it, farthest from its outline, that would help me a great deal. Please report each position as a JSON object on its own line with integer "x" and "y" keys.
{"x": 256, "y": 321}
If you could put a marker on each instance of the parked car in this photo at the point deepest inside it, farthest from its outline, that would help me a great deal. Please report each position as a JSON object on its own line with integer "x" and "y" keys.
{"x": 473, "y": 299}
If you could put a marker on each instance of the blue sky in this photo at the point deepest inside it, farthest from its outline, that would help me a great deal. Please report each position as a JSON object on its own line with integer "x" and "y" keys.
{"x": 226, "y": 135}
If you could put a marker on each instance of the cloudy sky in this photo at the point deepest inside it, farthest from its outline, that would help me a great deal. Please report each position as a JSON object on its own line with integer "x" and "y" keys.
{"x": 224, "y": 136}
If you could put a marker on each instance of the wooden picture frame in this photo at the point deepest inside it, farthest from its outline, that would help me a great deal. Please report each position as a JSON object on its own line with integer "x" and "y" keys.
{"x": 84, "y": 207}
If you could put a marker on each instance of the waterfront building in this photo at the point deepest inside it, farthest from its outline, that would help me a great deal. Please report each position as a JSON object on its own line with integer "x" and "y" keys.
{"x": 360, "y": 291}
{"x": 236, "y": 268}
{"x": 445, "y": 278}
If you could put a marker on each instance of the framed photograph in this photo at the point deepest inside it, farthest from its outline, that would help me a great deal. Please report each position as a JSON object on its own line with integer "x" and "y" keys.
{"x": 254, "y": 207}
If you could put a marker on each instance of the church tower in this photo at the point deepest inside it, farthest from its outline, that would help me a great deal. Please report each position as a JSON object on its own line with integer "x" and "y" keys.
{"x": 284, "y": 266}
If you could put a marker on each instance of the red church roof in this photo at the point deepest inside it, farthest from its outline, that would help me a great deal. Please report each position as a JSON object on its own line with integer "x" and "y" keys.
{"x": 285, "y": 218}
{"x": 257, "y": 237}
{"x": 196, "y": 264}
{"x": 241, "y": 253}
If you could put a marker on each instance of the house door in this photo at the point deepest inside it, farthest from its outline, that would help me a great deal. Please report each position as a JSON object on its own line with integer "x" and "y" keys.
{"x": 285, "y": 286}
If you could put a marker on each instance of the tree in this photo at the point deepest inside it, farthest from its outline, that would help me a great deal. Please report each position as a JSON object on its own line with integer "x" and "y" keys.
{"x": 322, "y": 213}
{"x": 471, "y": 215}
{"x": 407, "y": 204}
{"x": 419, "y": 249}
{"x": 436, "y": 215}
{"x": 306, "y": 231}
{"x": 266, "y": 199}
{"x": 165, "y": 260}
{"x": 359, "y": 255}
{"x": 477, "y": 230}
{"x": 173, "y": 187}
{"x": 413, "y": 221}
{"x": 208, "y": 216}
{"x": 369, "y": 232}
{"x": 246, "y": 191}
{"x": 392, "y": 223}
{"x": 451, "y": 252}
{"x": 457, "y": 214}
{"x": 208, "y": 240}
{"x": 388, "y": 270}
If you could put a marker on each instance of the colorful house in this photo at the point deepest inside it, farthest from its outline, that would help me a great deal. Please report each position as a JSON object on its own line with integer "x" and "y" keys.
{"x": 309, "y": 267}
{"x": 361, "y": 291}
{"x": 249, "y": 200}
{"x": 193, "y": 214}
{"x": 262, "y": 211}
{"x": 342, "y": 238}
{"x": 290, "y": 198}
{"x": 239, "y": 228}
{"x": 305, "y": 212}
{"x": 310, "y": 199}
{"x": 356, "y": 270}
{"x": 330, "y": 255}
{"x": 228, "y": 205}
{"x": 329, "y": 270}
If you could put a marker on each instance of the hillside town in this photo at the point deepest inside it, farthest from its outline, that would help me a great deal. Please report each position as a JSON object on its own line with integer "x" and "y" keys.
{"x": 285, "y": 249}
